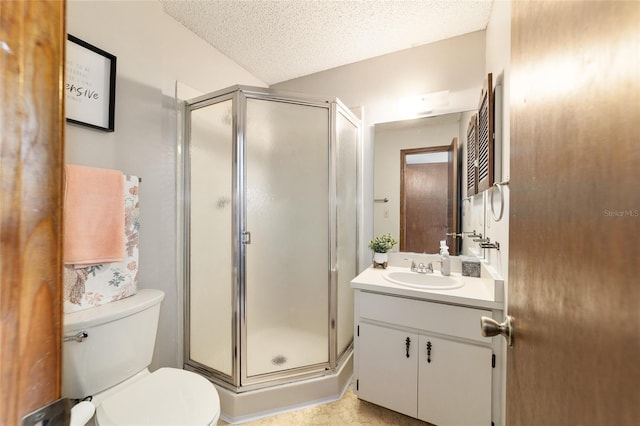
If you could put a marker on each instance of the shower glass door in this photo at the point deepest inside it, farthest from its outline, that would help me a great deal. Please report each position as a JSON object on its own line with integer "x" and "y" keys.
{"x": 286, "y": 238}
{"x": 347, "y": 223}
{"x": 210, "y": 260}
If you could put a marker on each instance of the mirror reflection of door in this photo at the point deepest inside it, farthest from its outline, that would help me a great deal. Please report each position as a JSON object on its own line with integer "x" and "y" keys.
{"x": 425, "y": 132}
{"x": 428, "y": 198}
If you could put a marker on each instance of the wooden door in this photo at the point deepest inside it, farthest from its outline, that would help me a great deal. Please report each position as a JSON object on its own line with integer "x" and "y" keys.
{"x": 574, "y": 264}
{"x": 32, "y": 34}
{"x": 424, "y": 202}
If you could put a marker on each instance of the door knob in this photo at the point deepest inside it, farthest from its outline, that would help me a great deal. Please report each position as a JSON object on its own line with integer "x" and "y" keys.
{"x": 491, "y": 327}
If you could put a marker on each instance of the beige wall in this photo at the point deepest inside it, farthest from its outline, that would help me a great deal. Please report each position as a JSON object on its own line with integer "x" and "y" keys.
{"x": 456, "y": 64}
{"x": 153, "y": 52}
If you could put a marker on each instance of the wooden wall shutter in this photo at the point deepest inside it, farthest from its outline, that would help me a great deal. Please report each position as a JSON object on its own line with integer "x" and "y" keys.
{"x": 485, "y": 137}
{"x": 480, "y": 143}
{"x": 472, "y": 155}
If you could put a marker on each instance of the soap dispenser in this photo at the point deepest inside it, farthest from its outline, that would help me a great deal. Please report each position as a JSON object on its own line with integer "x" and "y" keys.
{"x": 445, "y": 269}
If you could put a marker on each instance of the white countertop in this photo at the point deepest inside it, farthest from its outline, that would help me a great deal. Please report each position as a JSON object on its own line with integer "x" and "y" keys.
{"x": 476, "y": 292}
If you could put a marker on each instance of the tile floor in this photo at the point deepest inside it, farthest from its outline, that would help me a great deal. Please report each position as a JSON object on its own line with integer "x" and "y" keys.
{"x": 347, "y": 411}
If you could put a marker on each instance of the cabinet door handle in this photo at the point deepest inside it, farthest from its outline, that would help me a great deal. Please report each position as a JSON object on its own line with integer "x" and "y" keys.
{"x": 429, "y": 352}
{"x": 408, "y": 345}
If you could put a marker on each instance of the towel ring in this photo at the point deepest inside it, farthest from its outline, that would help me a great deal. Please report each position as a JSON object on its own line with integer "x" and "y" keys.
{"x": 498, "y": 185}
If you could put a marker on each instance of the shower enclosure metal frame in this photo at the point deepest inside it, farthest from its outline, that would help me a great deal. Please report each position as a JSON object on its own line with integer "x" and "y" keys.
{"x": 238, "y": 380}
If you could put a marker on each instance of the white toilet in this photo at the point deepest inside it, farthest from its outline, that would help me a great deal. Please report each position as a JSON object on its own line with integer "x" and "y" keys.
{"x": 111, "y": 365}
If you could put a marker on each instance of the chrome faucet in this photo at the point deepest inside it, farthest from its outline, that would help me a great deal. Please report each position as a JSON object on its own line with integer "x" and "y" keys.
{"x": 421, "y": 268}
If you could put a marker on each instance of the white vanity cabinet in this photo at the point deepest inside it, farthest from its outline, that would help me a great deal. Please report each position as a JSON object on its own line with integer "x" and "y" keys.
{"x": 455, "y": 387}
{"x": 424, "y": 359}
{"x": 387, "y": 375}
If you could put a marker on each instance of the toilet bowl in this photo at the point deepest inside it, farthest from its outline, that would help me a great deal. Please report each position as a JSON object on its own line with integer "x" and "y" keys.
{"x": 111, "y": 366}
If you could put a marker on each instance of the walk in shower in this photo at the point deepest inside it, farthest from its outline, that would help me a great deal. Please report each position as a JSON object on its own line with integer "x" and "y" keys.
{"x": 271, "y": 236}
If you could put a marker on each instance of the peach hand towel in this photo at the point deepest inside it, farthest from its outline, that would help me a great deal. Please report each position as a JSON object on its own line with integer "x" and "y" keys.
{"x": 93, "y": 215}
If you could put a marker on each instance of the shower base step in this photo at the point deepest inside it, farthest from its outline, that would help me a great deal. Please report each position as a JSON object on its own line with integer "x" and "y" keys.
{"x": 251, "y": 405}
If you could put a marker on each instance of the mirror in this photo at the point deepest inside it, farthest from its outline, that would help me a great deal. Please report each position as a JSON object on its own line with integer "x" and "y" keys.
{"x": 419, "y": 181}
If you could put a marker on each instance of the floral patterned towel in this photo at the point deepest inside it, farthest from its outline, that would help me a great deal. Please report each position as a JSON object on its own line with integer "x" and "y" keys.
{"x": 99, "y": 284}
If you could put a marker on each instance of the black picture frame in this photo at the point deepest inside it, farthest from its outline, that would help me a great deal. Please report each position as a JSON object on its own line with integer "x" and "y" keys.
{"x": 90, "y": 85}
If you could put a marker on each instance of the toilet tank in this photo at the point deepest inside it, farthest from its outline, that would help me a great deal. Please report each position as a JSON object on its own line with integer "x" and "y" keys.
{"x": 121, "y": 337}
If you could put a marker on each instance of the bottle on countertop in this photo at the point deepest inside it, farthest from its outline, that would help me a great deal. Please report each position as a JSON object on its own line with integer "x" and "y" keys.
{"x": 445, "y": 261}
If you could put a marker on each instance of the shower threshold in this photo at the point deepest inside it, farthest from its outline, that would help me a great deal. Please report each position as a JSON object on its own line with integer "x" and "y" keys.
{"x": 251, "y": 405}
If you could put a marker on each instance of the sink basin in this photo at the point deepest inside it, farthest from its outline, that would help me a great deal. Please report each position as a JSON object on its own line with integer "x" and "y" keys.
{"x": 422, "y": 281}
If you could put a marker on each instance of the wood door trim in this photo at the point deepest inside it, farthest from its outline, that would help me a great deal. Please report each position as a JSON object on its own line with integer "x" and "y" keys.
{"x": 403, "y": 162}
{"x": 455, "y": 152}
{"x": 32, "y": 111}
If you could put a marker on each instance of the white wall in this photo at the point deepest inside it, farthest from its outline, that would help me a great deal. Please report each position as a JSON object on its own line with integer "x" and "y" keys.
{"x": 499, "y": 64}
{"x": 456, "y": 64}
{"x": 153, "y": 52}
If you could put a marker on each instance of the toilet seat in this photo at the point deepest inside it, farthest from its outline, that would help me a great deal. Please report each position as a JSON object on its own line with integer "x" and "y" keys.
{"x": 168, "y": 396}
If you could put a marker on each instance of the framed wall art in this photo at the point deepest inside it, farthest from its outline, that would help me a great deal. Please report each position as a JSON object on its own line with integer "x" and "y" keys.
{"x": 90, "y": 86}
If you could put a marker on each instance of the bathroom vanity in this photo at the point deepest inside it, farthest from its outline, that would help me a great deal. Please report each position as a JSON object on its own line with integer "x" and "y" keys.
{"x": 419, "y": 349}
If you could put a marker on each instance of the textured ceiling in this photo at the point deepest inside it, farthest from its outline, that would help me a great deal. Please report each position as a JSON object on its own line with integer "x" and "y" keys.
{"x": 277, "y": 40}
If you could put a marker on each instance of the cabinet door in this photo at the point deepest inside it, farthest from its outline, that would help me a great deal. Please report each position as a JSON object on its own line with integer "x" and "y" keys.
{"x": 386, "y": 375}
{"x": 454, "y": 384}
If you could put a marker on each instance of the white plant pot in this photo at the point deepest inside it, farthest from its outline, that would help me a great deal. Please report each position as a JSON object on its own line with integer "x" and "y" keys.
{"x": 380, "y": 260}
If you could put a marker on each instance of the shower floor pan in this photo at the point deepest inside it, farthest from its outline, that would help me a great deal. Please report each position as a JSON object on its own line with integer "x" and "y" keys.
{"x": 283, "y": 348}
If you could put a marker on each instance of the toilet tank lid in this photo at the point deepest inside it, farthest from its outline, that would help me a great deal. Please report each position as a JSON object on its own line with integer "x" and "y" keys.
{"x": 143, "y": 299}
{"x": 167, "y": 396}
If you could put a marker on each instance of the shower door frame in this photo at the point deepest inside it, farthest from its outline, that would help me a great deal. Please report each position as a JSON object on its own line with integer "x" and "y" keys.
{"x": 194, "y": 104}
{"x": 337, "y": 107}
{"x": 238, "y": 381}
{"x": 255, "y": 381}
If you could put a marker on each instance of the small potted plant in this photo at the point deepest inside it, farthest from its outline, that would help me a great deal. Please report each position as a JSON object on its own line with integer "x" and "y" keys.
{"x": 380, "y": 246}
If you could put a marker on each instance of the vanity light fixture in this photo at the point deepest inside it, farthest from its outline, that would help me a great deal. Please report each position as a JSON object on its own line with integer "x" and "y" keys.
{"x": 415, "y": 106}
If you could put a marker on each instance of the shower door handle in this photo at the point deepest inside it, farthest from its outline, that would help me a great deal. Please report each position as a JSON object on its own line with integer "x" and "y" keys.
{"x": 246, "y": 237}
